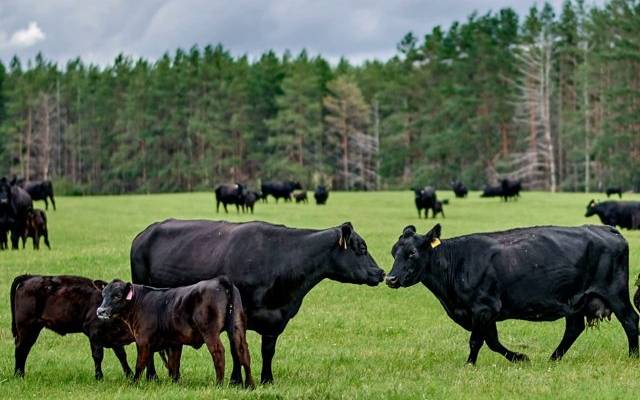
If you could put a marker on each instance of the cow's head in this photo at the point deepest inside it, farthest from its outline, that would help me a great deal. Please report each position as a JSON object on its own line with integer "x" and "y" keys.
{"x": 411, "y": 253}
{"x": 5, "y": 192}
{"x": 350, "y": 261}
{"x": 116, "y": 297}
{"x": 592, "y": 208}
{"x": 295, "y": 185}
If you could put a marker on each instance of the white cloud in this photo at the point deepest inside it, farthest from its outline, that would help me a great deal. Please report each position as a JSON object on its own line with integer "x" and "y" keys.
{"x": 27, "y": 37}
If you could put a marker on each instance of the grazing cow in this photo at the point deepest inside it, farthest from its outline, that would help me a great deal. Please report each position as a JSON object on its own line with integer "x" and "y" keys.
{"x": 39, "y": 190}
{"x": 425, "y": 199}
{"x": 625, "y": 214}
{"x": 279, "y": 189}
{"x": 63, "y": 304}
{"x": 273, "y": 266}
{"x": 15, "y": 205}
{"x": 459, "y": 189}
{"x": 301, "y": 197}
{"x": 170, "y": 318}
{"x": 321, "y": 195}
{"x": 36, "y": 227}
{"x": 250, "y": 199}
{"x": 614, "y": 190}
{"x": 230, "y": 194}
{"x": 533, "y": 274}
{"x": 492, "y": 191}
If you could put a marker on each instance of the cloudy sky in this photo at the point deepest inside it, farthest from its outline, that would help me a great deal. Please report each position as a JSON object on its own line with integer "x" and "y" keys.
{"x": 97, "y": 30}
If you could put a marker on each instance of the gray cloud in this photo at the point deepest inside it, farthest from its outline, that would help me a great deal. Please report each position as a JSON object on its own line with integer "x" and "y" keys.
{"x": 98, "y": 30}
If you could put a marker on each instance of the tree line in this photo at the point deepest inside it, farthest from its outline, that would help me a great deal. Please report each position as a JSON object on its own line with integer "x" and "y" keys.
{"x": 551, "y": 98}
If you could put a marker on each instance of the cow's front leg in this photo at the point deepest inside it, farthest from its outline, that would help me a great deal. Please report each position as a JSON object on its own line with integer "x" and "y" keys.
{"x": 268, "y": 351}
{"x": 97, "y": 352}
{"x": 491, "y": 337}
{"x": 475, "y": 344}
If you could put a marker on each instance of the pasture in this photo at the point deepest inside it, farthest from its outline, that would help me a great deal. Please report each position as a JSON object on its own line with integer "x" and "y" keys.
{"x": 347, "y": 341}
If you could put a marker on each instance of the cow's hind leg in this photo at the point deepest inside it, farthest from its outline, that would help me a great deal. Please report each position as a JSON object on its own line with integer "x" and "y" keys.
{"x": 491, "y": 337}
{"x": 173, "y": 363}
{"x": 122, "y": 358}
{"x": 97, "y": 352}
{"x": 627, "y": 316}
{"x": 24, "y": 341}
{"x": 217, "y": 354}
{"x": 53, "y": 203}
{"x": 573, "y": 328}
{"x": 46, "y": 204}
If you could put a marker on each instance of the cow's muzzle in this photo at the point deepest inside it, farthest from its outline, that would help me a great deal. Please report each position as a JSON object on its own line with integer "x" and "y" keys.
{"x": 103, "y": 313}
{"x": 393, "y": 281}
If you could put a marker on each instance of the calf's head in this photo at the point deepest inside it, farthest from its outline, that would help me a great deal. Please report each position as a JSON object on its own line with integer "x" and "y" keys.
{"x": 351, "y": 262}
{"x": 116, "y": 297}
{"x": 412, "y": 253}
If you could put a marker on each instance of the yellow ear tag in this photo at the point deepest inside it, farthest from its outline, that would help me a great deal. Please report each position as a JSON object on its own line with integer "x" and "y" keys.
{"x": 435, "y": 243}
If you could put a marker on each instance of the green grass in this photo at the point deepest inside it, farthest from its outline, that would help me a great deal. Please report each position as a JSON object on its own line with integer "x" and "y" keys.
{"x": 347, "y": 341}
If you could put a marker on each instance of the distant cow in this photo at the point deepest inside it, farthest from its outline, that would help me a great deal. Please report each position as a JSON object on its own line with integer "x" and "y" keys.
{"x": 492, "y": 191}
{"x": 438, "y": 209}
{"x": 15, "y": 205}
{"x": 230, "y": 194}
{"x": 625, "y": 214}
{"x": 425, "y": 199}
{"x": 250, "y": 199}
{"x": 40, "y": 190}
{"x": 63, "y": 304}
{"x": 5, "y": 228}
{"x": 459, "y": 189}
{"x": 170, "y": 318}
{"x": 510, "y": 189}
{"x": 36, "y": 227}
{"x": 321, "y": 195}
{"x": 279, "y": 189}
{"x": 301, "y": 197}
{"x": 533, "y": 274}
{"x": 614, "y": 190}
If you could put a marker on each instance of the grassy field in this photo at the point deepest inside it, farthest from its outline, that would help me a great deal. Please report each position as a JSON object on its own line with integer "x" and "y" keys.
{"x": 347, "y": 341}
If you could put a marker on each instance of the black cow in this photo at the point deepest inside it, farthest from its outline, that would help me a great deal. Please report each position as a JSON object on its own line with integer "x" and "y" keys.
{"x": 533, "y": 274}
{"x": 36, "y": 227}
{"x": 64, "y": 304}
{"x": 438, "y": 207}
{"x": 39, "y": 190}
{"x": 170, "y": 318}
{"x": 273, "y": 266}
{"x": 230, "y": 194}
{"x": 425, "y": 199}
{"x": 301, "y": 197}
{"x": 510, "y": 189}
{"x": 250, "y": 199}
{"x": 15, "y": 205}
{"x": 625, "y": 214}
{"x": 492, "y": 191}
{"x": 5, "y": 228}
{"x": 459, "y": 189}
{"x": 614, "y": 190}
{"x": 279, "y": 189}
{"x": 321, "y": 195}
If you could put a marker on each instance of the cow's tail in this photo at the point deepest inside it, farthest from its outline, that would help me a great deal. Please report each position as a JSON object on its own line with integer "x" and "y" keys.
{"x": 14, "y": 287}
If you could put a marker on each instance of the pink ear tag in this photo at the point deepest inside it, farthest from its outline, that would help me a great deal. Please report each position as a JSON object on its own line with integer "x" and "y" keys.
{"x": 130, "y": 294}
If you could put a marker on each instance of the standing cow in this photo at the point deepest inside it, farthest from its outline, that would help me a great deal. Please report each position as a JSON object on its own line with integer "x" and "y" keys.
{"x": 279, "y": 189}
{"x": 273, "y": 266}
{"x": 614, "y": 190}
{"x": 230, "y": 194}
{"x": 15, "y": 205}
{"x": 39, "y": 190}
{"x": 425, "y": 199}
{"x": 625, "y": 214}
{"x": 534, "y": 274}
{"x": 321, "y": 195}
{"x": 64, "y": 304}
{"x": 459, "y": 189}
{"x": 36, "y": 227}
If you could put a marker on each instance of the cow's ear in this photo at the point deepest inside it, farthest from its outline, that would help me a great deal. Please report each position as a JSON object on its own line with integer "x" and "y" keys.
{"x": 433, "y": 236}
{"x": 345, "y": 234}
{"x": 99, "y": 284}
{"x": 129, "y": 291}
{"x": 408, "y": 231}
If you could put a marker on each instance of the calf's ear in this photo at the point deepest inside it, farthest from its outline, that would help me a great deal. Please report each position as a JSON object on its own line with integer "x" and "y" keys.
{"x": 99, "y": 284}
{"x": 129, "y": 292}
{"x": 345, "y": 234}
